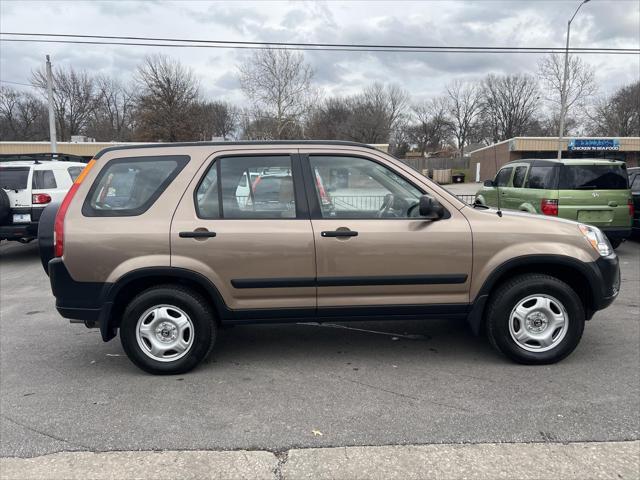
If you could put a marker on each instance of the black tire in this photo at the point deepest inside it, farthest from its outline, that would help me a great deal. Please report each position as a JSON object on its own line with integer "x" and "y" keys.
{"x": 5, "y": 206}
{"x": 196, "y": 308}
{"x": 507, "y": 297}
{"x": 616, "y": 242}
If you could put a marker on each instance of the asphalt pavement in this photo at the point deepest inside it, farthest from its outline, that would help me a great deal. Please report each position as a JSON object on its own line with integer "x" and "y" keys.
{"x": 275, "y": 388}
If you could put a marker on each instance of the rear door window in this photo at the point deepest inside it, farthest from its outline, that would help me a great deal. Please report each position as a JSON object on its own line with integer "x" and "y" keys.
{"x": 129, "y": 186}
{"x": 43, "y": 179}
{"x": 593, "y": 177}
{"x": 14, "y": 178}
{"x": 502, "y": 179}
{"x": 635, "y": 186}
{"x": 543, "y": 178}
{"x": 253, "y": 187}
{"x": 518, "y": 176}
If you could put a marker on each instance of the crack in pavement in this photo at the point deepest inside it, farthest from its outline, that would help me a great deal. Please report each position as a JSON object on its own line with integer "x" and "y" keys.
{"x": 45, "y": 434}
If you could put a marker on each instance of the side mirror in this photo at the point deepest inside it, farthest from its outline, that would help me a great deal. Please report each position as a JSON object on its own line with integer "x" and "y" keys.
{"x": 430, "y": 208}
{"x": 489, "y": 183}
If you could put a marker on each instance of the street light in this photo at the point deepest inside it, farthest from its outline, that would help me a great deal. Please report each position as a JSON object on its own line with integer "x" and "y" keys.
{"x": 563, "y": 92}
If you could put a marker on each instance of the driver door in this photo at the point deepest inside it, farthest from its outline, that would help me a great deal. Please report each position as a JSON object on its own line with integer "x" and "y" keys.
{"x": 372, "y": 250}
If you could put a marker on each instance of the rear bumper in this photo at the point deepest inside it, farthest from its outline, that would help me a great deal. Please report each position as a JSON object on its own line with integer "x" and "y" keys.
{"x": 18, "y": 231}
{"x": 80, "y": 302}
{"x": 616, "y": 232}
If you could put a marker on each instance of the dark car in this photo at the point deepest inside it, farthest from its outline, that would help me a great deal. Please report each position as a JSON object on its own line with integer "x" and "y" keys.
{"x": 634, "y": 185}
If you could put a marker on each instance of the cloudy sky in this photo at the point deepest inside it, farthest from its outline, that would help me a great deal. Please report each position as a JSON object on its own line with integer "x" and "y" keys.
{"x": 601, "y": 23}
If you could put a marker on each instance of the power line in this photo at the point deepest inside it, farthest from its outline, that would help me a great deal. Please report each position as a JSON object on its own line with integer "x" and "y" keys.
{"x": 294, "y": 44}
{"x": 227, "y": 44}
{"x": 18, "y": 83}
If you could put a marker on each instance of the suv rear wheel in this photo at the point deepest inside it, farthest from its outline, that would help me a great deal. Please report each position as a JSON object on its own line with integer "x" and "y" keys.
{"x": 168, "y": 330}
{"x": 535, "y": 319}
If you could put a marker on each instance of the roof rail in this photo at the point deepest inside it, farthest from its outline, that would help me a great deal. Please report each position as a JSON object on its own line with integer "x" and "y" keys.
{"x": 246, "y": 142}
{"x": 40, "y": 157}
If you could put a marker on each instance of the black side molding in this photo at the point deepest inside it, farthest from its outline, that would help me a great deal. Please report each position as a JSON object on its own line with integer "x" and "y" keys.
{"x": 448, "y": 279}
{"x": 273, "y": 282}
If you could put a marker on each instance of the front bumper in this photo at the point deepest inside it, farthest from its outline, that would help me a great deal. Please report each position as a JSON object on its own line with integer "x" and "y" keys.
{"x": 608, "y": 270}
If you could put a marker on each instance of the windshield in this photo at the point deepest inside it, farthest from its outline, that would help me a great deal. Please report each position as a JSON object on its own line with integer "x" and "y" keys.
{"x": 14, "y": 178}
{"x": 593, "y": 177}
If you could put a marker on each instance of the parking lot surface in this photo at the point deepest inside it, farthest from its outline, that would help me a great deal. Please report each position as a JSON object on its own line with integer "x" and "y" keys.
{"x": 281, "y": 387}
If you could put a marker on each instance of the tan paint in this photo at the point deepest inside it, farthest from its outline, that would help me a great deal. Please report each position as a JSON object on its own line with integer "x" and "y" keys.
{"x": 104, "y": 249}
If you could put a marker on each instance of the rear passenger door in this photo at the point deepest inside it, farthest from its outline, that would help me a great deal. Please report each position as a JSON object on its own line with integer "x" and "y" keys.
{"x": 515, "y": 197}
{"x": 244, "y": 224}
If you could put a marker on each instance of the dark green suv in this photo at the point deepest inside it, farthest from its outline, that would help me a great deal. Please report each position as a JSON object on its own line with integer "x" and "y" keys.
{"x": 591, "y": 191}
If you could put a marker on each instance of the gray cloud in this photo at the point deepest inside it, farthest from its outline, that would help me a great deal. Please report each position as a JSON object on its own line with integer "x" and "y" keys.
{"x": 488, "y": 22}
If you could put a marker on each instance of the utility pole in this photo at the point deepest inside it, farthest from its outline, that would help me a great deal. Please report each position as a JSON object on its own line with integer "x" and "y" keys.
{"x": 52, "y": 117}
{"x": 563, "y": 91}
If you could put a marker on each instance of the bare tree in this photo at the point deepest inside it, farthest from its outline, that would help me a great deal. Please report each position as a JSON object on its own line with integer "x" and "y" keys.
{"x": 278, "y": 82}
{"x": 23, "y": 116}
{"x": 114, "y": 114}
{"x": 376, "y": 112}
{"x": 74, "y": 99}
{"x": 619, "y": 114}
{"x": 167, "y": 100}
{"x": 509, "y": 105}
{"x": 581, "y": 84}
{"x": 217, "y": 119}
{"x": 463, "y": 105}
{"x": 430, "y": 127}
{"x": 330, "y": 120}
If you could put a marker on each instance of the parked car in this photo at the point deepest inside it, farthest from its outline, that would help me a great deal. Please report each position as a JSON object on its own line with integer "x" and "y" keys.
{"x": 176, "y": 255}
{"x": 634, "y": 184}
{"x": 26, "y": 188}
{"x": 591, "y": 191}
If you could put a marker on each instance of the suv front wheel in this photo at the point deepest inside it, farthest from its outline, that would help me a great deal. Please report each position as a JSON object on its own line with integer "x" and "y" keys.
{"x": 535, "y": 319}
{"x": 168, "y": 330}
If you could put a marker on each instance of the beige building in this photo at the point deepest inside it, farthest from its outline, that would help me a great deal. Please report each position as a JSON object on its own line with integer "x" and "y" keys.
{"x": 491, "y": 158}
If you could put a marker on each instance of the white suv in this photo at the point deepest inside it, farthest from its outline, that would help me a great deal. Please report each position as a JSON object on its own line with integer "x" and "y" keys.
{"x": 26, "y": 187}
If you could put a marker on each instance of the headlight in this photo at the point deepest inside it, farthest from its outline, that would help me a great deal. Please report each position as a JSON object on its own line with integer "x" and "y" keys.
{"x": 597, "y": 239}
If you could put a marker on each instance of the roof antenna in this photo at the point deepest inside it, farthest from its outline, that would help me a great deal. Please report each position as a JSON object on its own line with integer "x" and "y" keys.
{"x": 495, "y": 161}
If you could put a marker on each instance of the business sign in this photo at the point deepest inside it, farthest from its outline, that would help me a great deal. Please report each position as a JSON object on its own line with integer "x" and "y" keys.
{"x": 594, "y": 144}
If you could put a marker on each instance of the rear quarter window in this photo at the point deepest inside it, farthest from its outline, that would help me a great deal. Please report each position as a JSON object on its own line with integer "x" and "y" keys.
{"x": 43, "y": 179}
{"x": 130, "y": 186}
{"x": 593, "y": 177}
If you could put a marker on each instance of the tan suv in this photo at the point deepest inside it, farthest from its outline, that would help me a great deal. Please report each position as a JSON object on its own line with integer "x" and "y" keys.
{"x": 166, "y": 243}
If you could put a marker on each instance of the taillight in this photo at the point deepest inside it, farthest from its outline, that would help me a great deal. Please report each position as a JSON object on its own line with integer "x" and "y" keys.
{"x": 324, "y": 198}
{"x": 549, "y": 207}
{"x": 58, "y": 225}
{"x": 632, "y": 208}
{"x": 40, "y": 198}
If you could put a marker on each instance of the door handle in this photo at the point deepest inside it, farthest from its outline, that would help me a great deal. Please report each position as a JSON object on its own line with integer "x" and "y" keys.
{"x": 197, "y": 234}
{"x": 339, "y": 233}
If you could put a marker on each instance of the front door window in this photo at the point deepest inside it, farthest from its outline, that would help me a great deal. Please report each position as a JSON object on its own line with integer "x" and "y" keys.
{"x": 357, "y": 188}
